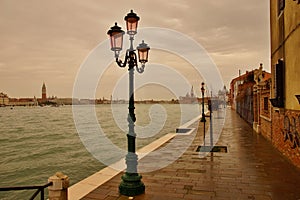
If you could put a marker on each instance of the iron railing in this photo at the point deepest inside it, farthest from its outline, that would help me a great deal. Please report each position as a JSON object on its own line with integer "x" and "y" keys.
{"x": 38, "y": 188}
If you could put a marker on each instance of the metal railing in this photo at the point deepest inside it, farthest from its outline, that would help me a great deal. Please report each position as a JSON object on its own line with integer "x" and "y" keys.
{"x": 38, "y": 188}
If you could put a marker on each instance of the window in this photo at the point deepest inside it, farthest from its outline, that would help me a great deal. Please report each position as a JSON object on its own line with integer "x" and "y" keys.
{"x": 279, "y": 77}
{"x": 266, "y": 103}
{"x": 281, "y": 4}
{"x": 279, "y": 82}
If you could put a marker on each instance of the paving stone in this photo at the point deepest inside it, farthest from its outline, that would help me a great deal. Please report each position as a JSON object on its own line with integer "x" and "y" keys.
{"x": 252, "y": 169}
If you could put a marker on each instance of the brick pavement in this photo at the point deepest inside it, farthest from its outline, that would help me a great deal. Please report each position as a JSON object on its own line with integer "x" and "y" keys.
{"x": 252, "y": 169}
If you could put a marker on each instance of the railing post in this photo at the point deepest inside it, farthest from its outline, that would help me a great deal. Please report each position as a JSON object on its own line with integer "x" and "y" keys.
{"x": 59, "y": 189}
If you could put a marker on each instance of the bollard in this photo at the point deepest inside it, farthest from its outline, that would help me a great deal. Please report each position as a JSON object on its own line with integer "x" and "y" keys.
{"x": 59, "y": 189}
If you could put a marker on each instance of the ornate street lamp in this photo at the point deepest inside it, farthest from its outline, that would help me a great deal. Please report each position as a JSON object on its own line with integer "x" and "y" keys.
{"x": 116, "y": 39}
{"x": 202, "y": 91}
{"x": 131, "y": 23}
{"x": 131, "y": 184}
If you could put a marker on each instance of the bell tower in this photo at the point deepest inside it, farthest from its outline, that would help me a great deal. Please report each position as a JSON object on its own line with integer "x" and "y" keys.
{"x": 44, "y": 92}
{"x": 192, "y": 92}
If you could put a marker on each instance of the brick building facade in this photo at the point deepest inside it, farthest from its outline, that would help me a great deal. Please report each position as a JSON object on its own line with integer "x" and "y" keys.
{"x": 285, "y": 59}
{"x": 275, "y": 104}
{"x": 244, "y": 100}
{"x": 265, "y": 122}
{"x": 247, "y": 92}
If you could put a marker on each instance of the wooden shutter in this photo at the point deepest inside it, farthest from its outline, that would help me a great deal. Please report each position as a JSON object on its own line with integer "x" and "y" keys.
{"x": 279, "y": 83}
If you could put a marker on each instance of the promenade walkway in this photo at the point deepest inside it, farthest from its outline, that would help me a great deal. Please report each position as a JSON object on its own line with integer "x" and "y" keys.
{"x": 251, "y": 169}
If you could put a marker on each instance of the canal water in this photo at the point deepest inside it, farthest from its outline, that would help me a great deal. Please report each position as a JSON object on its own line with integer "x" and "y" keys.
{"x": 36, "y": 142}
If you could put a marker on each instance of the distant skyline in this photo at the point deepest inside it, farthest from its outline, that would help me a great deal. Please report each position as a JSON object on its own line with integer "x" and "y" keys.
{"x": 48, "y": 41}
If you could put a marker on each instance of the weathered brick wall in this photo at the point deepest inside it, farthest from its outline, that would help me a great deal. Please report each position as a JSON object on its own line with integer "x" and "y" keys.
{"x": 265, "y": 114}
{"x": 245, "y": 102}
{"x": 286, "y": 138}
{"x": 266, "y": 128}
{"x": 255, "y": 107}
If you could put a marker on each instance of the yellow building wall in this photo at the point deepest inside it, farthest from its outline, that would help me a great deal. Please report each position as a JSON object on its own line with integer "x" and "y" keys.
{"x": 289, "y": 51}
{"x": 292, "y": 81}
{"x": 292, "y": 54}
{"x": 276, "y": 50}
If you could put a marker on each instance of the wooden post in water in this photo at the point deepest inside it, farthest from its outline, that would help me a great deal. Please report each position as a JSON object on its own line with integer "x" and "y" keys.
{"x": 59, "y": 189}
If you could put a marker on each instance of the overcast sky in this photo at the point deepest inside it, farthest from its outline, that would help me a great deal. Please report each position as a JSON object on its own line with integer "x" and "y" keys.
{"x": 47, "y": 41}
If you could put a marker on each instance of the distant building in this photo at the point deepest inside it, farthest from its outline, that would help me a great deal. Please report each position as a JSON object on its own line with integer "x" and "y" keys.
{"x": 4, "y": 99}
{"x": 189, "y": 98}
{"x": 244, "y": 97}
{"x": 52, "y": 101}
{"x": 23, "y": 102}
{"x": 64, "y": 101}
{"x": 243, "y": 94}
{"x": 285, "y": 69}
{"x": 44, "y": 93}
{"x": 234, "y": 89}
{"x": 261, "y": 103}
{"x": 87, "y": 101}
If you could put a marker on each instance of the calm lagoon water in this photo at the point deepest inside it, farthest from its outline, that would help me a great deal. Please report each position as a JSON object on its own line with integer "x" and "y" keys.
{"x": 37, "y": 142}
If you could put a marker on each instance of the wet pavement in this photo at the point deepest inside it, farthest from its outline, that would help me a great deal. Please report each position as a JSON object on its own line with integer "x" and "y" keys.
{"x": 251, "y": 169}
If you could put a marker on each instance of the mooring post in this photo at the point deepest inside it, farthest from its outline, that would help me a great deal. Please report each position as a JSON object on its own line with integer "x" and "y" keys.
{"x": 59, "y": 189}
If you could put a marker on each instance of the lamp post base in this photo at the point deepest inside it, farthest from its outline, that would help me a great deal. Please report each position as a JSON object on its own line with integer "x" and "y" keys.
{"x": 131, "y": 185}
{"x": 203, "y": 119}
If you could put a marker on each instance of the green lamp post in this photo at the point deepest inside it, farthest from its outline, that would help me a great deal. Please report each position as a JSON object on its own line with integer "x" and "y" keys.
{"x": 131, "y": 184}
{"x": 202, "y": 91}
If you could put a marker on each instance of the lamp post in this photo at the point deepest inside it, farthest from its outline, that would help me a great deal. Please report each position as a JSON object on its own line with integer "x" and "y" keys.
{"x": 202, "y": 91}
{"x": 131, "y": 184}
{"x": 210, "y": 108}
{"x": 203, "y": 115}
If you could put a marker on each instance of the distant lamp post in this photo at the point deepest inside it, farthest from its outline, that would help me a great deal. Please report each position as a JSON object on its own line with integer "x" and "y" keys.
{"x": 131, "y": 184}
{"x": 202, "y": 91}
